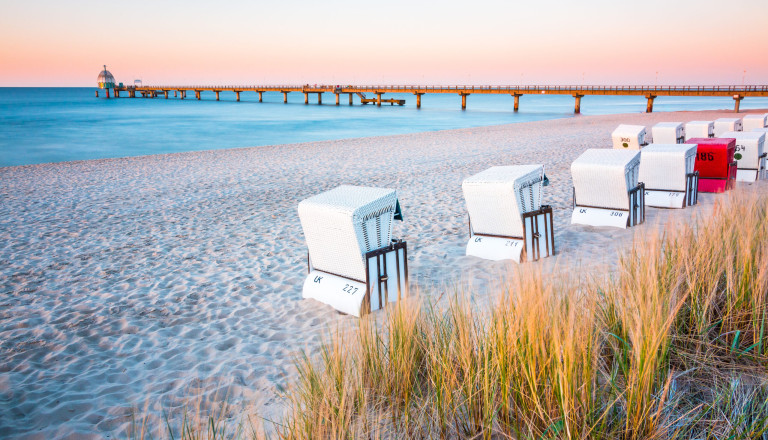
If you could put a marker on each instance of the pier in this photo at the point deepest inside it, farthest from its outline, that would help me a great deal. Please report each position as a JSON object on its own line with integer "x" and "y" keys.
{"x": 738, "y": 93}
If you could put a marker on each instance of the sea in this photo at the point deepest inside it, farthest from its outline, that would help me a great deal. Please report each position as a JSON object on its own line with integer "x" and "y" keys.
{"x": 43, "y": 125}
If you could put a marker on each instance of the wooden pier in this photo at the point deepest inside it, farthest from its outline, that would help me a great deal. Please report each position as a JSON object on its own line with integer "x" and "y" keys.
{"x": 738, "y": 93}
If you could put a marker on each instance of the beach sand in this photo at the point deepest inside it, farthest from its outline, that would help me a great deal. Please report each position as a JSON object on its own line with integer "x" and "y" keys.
{"x": 146, "y": 282}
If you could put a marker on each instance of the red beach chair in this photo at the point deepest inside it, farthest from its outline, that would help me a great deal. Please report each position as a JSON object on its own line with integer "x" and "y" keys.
{"x": 715, "y": 164}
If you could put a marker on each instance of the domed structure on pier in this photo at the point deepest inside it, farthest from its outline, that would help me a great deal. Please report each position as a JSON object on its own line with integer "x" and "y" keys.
{"x": 106, "y": 80}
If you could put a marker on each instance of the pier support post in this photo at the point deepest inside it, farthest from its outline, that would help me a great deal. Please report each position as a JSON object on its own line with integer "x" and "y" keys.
{"x": 106, "y": 92}
{"x": 319, "y": 98}
{"x": 737, "y": 102}
{"x": 97, "y": 94}
{"x": 577, "y": 107}
{"x": 237, "y": 94}
{"x": 166, "y": 93}
{"x": 174, "y": 94}
{"x": 337, "y": 98}
{"x": 197, "y": 94}
{"x": 649, "y": 107}
{"x": 463, "y": 100}
{"x": 418, "y": 99}
{"x": 285, "y": 97}
{"x": 350, "y": 99}
{"x": 517, "y": 101}
{"x": 260, "y": 97}
{"x": 117, "y": 93}
{"x": 378, "y": 98}
{"x": 217, "y": 95}
{"x": 306, "y": 98}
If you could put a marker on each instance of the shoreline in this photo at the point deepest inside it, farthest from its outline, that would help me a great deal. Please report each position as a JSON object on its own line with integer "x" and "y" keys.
{"x": 155, "y": 278}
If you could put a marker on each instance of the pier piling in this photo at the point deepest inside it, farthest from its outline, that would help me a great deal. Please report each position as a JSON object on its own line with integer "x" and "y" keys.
{"x": 285, "y": 97}
{"x": 217, "y": 95}
{"x": 517, "y": 101}
{"x": 337, "y": 98}
{"x": 464, "y": 100}
{"x": 350, "y": 99}
{"x": 306, "y": 98}
{"x": 737, "y": 102}
{"x": 197, "y": 94}
{"x": 378, "y": 98}
{"x": 649, "y": 107}
{"x": 319, "y": 98}
{"x": 577, "y": 107}
{"x": 260, "y": 97}
{"x": 418, "y": 99}
{"x": 237, "y": 94}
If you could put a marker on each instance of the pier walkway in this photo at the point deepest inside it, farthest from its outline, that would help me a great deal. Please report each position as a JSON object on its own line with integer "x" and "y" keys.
{"x": 738, "y": 93}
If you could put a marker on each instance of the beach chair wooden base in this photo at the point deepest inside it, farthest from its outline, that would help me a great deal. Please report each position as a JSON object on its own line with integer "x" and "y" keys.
{"x": 386, "y": 281}
{"x": 752, "y": 174}
{"x": 538, "y": 240}
{"x": 617, "y": 218}
{"x": 719, "y": 184}
{"x": 662, "y": 198}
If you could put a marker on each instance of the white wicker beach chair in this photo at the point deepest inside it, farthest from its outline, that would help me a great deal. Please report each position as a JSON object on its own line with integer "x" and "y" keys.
{"x": 606, "y": 191}
{"x": 750, "y": 154}
{"x": 750, "y": 122}
{"x": 667, "y": 172}
{"x": 354, "y": 264}
{"x": 629, "y": 137}
{"x": 668, "y": 133}
{"x": 699, "y": 129}
{"x": 507, "y": 220}
{"x": 723, "y": 125}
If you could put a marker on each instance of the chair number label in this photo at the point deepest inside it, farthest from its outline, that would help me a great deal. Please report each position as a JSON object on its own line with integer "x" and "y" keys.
{"x": 617, "y": 214}
{"x": 706, "y": 156}
{"x": 350, "y": 289}
{"x": 511, "y": 243}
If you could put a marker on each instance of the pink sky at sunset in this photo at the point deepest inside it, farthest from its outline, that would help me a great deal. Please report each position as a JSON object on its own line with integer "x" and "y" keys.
{"x": 54, "y": 43}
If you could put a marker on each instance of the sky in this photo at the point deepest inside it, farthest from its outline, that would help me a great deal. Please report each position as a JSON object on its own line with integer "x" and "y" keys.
{"x": 652, "y": 42}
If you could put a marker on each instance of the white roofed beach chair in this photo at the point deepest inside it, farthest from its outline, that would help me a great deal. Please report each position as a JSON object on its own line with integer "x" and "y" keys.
{"x": 668, "y": 133}
{"x": 723, "y": 125}
{"x": 629, "y": 137}
{"x": 750, "y": 154}
{"x": 506, "y": 218}
{"x": 667, "y": 172}
{"x": 354, "y": 265}
{"x": 606, "y": 191}
{"x": 750, "y": 122}
{"x": 699, "y": 129}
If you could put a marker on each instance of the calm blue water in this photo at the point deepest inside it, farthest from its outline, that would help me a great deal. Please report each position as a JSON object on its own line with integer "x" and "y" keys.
{"x": 39, "y": 125}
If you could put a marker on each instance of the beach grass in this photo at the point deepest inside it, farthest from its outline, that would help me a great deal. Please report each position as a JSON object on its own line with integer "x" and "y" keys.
{"x": 673, "y": 345}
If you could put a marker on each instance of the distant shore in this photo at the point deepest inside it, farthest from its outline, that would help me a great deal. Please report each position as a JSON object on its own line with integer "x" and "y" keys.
{"x": 150, "y": 279}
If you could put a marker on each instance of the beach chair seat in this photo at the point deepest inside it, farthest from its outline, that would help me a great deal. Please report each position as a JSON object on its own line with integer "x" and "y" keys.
{"x": 668, "y": 133}
{"x": 668, "y": 173}
{"x": 606, "y": 190}
{"x": 629, "y": 137}
{"x": 699, "y": 129}
{"x": 751, "y": 122}
{"x": 749, "y": 154}
{"x": 506, "y": 218}
{"x": 354, "y": 265}
{"x": 715, "y": 163}
{"x": 723, "y": 125}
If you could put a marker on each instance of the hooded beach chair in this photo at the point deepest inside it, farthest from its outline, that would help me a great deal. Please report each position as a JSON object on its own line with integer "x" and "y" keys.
{"x": 354, "y": 265}
{"x": 667, "y": 171}
{"x": 668, "y": 133}
{"x": 749, "y": 154}
{"x": 506, "y": 218}
{"x": 606, "y": 190}
{"x": 629, "y": 137}
{"x": 751, "y": 122}
{"x": 715, "y": 164}
{"x": 723, "y": 125}
{"x": 699, "y": 129}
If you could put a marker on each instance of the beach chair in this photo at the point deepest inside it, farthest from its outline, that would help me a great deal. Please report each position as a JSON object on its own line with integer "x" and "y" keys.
{"x": 723, "y": 125}
{"x": 749, "y": 154}
{"x": 750, "y": 122}
{"x": 668, "y": 133}
{"x": 699, "y": 129}
{"x": 629, "y": 137}
{"x": 506, "y": 218}
{"x": 354, "y": 265}
{"x": 667, "y": 171}
{"x": 715, "y": 164}
{"x": 606, "y": 190}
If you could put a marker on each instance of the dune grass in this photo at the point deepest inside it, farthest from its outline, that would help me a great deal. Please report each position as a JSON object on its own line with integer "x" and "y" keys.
{"x": 674, "y": 345}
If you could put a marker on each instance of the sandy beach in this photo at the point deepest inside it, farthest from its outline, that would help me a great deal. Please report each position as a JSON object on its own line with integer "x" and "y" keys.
{"x": 146, "y": 282}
